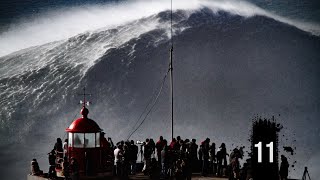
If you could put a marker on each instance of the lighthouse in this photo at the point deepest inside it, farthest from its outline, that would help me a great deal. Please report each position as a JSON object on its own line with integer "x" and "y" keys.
{"x": 84, "y": 142}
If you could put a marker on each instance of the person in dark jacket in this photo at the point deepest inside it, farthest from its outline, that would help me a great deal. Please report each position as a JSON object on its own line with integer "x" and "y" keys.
{"x": 35, "y": 169}
{"x": 58, "y": 147}
{"x": 52, "y": 163}
{"x": 223, "y": 159}
{"x": 159, "y": 147}
{"x": 213, "y": 158}
{"x": 193, "y": 154}
{"x": 164, "y": 159}
{"x": 147, "y": 157}
{"x": 133, "y": 156}
{"x": 284, "y": 168}
{"x": 234, "y": 167}
{"x": 205, "y": 155}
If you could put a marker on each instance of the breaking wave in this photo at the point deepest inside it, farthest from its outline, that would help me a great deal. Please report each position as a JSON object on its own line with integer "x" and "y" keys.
{"x": 120, "y": 51}
{"x": 65, "y": 23}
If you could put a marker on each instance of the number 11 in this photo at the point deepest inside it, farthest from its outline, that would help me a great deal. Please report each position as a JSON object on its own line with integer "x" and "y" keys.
{"x": 259, "y": 146}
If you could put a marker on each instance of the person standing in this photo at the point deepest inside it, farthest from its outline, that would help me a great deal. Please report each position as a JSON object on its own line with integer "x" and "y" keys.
{"x": 147, "y": 156}
{"x": 213, "y": 157}
{"x": 117, "y": 160}
{"x": 52, "y": 164}
{"x": 58, "y": 147}
{"x": 164, "y": 159}
{"x": 193, "y": 154}
{"x": 35, "y": 169}
{"x": 284, "y": 168}
{"x": 159, "y": 147}
{"x": 224, "y": 154}
{"x": 234, "y": 164}
{"x": 205, "y": 156}
{"x": 134, "y": 156}
{"x": 65, "y": 148}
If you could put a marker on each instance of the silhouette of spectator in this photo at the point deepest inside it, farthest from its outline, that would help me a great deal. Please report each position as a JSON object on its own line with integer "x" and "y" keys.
{"x": 224, "y": 153}
{"x": 205, "y": 156}
{"x": 178, "y": 143}
{"x": 284, "y": 168}
{"x": 35, "y": 169}
{"x": 58, "y": 147}
{"x": 65, "y": 148}
{"x": 173, "y": 143}
{"x": 159, "y": 147}
{"x": 193, "y": 154}
{"x": 164, "y": 159}
{"x": 213, "y": 157}
{"x": 112, "y": 146}
{"x": 182, "y": 150}
{"x": 234, "y": 164}
{"x": 152, "y": 145}
{"x": 117, "y": 160}
{"x": 104, "y": 142}
{"x": 134, "y": 156}
{"x": 126, "y": 158}
{"x": 194, "y": 149}
{"x": 147, "y": 156}
{"x": 52, "y": 163}
{"x": 219, "y": 162}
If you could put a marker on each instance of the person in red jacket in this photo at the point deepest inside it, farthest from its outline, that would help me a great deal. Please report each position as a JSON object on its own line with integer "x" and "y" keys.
{"x": 173, "y": 143}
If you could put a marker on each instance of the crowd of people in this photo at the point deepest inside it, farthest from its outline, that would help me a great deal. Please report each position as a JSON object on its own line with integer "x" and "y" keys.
{"x": 58, "y": 159}
{"x": 179, "y": 159}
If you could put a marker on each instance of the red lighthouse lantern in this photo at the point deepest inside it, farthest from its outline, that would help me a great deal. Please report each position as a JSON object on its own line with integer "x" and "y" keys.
{"x": 84, "y": 143}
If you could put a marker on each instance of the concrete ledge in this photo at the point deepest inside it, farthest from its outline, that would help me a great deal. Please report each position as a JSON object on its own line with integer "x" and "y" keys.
{"x": 32, "y": 177}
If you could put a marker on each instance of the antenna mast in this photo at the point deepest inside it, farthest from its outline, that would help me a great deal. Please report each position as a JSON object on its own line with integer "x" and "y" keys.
{"x": 171, "y": 73}
{"x": 84, "y": 102}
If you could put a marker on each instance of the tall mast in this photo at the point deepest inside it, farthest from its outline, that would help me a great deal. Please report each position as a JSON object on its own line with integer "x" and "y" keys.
{"x": 171, "y": 82}
{"x": 171, "y": 74}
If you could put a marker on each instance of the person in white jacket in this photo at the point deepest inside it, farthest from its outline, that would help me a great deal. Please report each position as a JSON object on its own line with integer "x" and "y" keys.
{"x": 117, "y": 160}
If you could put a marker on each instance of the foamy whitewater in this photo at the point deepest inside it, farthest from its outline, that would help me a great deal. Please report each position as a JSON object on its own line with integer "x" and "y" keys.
{"x": 232, "y": 60}
{"x": 68, "y": 22}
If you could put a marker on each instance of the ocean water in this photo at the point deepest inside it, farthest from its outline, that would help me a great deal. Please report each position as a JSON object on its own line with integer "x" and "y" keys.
{"x": 296, "y": 9}
{"x": 233, "y": 59}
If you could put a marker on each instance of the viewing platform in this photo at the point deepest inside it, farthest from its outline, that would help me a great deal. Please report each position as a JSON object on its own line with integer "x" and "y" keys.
{"x": 139, "y": 176}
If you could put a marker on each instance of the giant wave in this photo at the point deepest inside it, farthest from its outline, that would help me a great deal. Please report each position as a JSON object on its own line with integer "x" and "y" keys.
{"x": 231, "y": 60}
{"x": 64, "y": 23}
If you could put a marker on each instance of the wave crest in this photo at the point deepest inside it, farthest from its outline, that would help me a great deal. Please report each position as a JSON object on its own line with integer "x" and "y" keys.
{"x": 68, "y": 22}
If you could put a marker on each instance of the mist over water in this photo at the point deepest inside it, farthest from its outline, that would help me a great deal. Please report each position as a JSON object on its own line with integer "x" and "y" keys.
{"x": 232, "y": 60}
{"x": 63, "y": 23}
